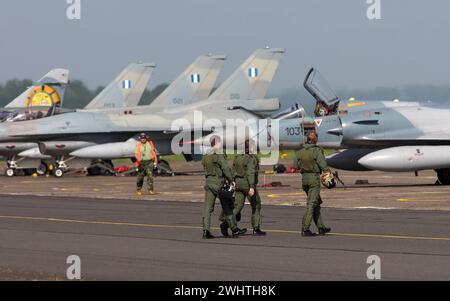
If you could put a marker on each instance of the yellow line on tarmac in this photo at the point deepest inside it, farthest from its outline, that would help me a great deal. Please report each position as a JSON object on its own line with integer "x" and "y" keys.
{"x": 61, "y": 220}
{"x": 418, "y": 200}
{"x": 392, "y": 236}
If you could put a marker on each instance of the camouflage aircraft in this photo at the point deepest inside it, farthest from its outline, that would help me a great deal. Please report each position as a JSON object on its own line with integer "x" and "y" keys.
{"x": 45, "y": 99}
{"x": 96, "y": 133}
{"x": 381, "y": 135}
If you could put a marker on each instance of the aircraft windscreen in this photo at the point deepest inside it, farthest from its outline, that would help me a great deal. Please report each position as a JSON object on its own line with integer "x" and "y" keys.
{"x": 23, "y": 114}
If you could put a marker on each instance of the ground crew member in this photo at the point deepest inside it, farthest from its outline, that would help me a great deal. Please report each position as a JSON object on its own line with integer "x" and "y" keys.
{"x": 146, "y": 161}
{"x": 310, "y": 160}
{"x": 216, "y": 172}
{"x": 247, "y": 171}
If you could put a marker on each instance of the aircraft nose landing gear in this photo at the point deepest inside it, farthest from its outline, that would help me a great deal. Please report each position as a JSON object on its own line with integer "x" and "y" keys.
{"x": 11, "y": 167}
{"x": 60, "y": 169}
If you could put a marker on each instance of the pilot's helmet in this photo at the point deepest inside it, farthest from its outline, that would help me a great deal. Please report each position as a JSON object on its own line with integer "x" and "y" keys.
{"x": 143, "y": 136}
{"x": 328, "y": 179}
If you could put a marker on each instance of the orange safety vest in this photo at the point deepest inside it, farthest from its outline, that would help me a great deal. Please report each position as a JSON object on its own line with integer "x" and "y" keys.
{"x": 138, "y": 152}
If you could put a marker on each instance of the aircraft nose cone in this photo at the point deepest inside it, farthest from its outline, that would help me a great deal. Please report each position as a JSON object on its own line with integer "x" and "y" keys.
{"x": 377, "y": 160}
{"x": 366, "y": 162}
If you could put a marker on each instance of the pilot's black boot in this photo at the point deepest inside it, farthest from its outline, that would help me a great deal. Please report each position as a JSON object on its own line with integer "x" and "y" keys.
{"x": 258, "y": 232}
{"x": 308, "y": 233}
{"x": 236, "y": 232}
{"x": 207, "y": 235}
{"x": 224, "y": 229}
{"x": 323, "y": 231}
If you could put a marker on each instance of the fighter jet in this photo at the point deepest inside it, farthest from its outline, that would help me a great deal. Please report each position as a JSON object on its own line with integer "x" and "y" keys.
{"x": 195, "y": 83}
{"x": 247, "y": 84}
{"x": 382, "y": 135}
{"x": 88, "y": 133}
{"x": 43, "y": 99}
{"x": 125, "y": 90}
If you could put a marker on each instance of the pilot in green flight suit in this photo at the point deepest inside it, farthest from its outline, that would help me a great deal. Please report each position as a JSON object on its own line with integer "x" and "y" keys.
{"x": 310, "y": 160}
{"x": 247, "y": 169}
{"x": 216, "y": 172}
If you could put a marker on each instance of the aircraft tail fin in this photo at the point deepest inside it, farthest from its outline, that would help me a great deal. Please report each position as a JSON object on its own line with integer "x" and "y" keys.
{"x": 193, "y": 84}
{"x": 252, "y": 79}
{"x": 47, "y": 92}
{"x": 126, "y": 89}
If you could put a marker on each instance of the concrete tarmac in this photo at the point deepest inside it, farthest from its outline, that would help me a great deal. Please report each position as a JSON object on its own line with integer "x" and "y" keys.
{"x": 119, "y": 239}
{"x": 383, "y": 191}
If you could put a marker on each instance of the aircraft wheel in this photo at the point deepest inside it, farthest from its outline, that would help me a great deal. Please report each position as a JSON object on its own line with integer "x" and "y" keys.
{"x": 59, "y": 172}
{"x": 443, "y": 176}
{"x": 10, "y": 172}
{"x": 42, "y": 169}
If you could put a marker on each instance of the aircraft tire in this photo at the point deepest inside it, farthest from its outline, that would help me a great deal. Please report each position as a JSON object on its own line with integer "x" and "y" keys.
{"x": 10, "y": 172}
{"x": 58, "y": 173}
{"x": 42, "y": 169}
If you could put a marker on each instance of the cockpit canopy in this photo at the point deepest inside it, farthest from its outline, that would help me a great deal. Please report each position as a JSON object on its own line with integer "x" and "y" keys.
{"x": 23, "y": 114}
{"x": 318, "y": 87}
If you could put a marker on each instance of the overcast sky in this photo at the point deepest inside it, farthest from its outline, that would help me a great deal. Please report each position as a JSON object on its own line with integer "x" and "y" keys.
{"x": 410, "y": 45}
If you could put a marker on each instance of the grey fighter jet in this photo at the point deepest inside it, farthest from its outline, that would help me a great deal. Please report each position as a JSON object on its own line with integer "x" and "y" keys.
{"x": 247, "y": 85}
{"x": 125, "y": 90}
{"x": 43, "y": 99}
{"x": 382, "y": 135}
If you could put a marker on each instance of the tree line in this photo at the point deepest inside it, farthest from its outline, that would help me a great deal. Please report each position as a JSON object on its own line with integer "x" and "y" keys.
{"x": 78, "y": 95}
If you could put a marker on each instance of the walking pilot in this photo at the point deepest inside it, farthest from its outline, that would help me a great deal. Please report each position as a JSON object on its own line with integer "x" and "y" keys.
{"x": 247, "y": 170}
{"x": 146, "y": 162}
{"x": 310, "y": 160}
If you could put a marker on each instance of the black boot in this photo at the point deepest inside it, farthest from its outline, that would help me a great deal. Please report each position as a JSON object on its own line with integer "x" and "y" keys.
{"x": 308, "y": 233}
{"x": 258, "y": 232}
{"x": 236, "y": 232}
{"x": 323, "y": 231}
{"x": 207, "y": 235}
{"x": 224, "y": 229}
